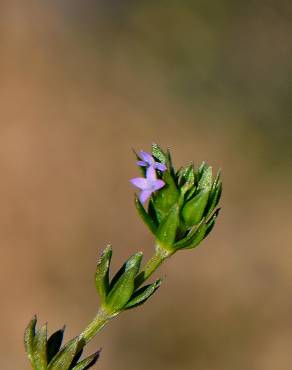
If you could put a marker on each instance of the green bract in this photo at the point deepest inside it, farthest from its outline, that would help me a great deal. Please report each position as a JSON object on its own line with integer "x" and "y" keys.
{"x": 183, "y": 212}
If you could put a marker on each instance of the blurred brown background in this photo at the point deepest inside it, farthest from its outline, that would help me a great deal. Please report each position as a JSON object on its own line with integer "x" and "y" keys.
{"x": 81, "y": 84}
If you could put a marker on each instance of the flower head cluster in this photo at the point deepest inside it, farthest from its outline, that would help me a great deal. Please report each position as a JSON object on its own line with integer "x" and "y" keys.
{"x": 182, "y": 207}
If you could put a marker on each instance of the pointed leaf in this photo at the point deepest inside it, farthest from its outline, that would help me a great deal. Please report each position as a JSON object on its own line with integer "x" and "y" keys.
{"x": 166, "y": 197}
{"x": 187, "y": 174}
{"x": 40, "y": 348}
{"x": 64, "y": 358}
{"x": 193, "y": 239}
{"x": 122, "y": 290}
{"x": 198, "y": 237}
{"x": 166, "y": 232}
{"x": 54, "y": 344}
{"x": 145, "y": 216}
{"x": 29, "y": 335}
{"x": 201, "y": 170}
{"x": 152, "y": 213}
{"x": 87, "y": 362}
{"x": 206, "y": 179}
{"x": 193, "y": 210}
{"x": 214, "y": 199}
{"x": 76, "y": 358}
{"x": 211, "y": 223}
{"x": 142, "y": 294}
{"x": 102, "y": 273}
{"x": 158, "y": 153}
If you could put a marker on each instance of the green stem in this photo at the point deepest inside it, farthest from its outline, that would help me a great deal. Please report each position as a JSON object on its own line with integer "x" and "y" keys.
{"x": 161, "y": 253}
{"x": 96, "y": 325}
{"x": 102, "y": 317}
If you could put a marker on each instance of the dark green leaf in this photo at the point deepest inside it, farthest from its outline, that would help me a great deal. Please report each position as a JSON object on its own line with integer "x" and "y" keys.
{"x": 201, "y": 170}
{"x": 167, "y": 230}
{"x": 194, "y": 209}
{"x": 76, "y": 358}
{"x": 142, "y": 294}
{"x": 102, "y": 273}
{"x": 211, "y": 222}
{"x": 145, "y": 216}
{"x": 193, "y": 238}
{"x": 166, "y": 197}
{"x": 214, "y": 198}
{"x": 198, "y": 237}
{"x": 87, "y": 362}
{"x": 64, "y": 358}
{"x": 54, "y": 344}
{"x": 123, "y": 287}
{"x": 152, "y": 213}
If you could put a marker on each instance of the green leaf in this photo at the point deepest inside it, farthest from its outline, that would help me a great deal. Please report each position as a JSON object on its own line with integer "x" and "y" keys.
{"x": 102, "y": 273}
{"x": 152, "y": 213}
{"x": 205, "y": 181}
{"x": 142, "y": 294}
{"x": 29, "y": 335}
{"x": 188, "y": 179}
{"x": 166, "y": 197}
{"x": 166, "y": 232}
{"x": 211, "y": 223}
{"x": 193, "y": 210}
{"x": 201, "y": 170}
{"x": 40, "y": 348}
{"x": 64, "y": 358}
{"x": 145, "y": 216}
{"x": 158, "y": 153}
{"x": 193, "y": 238}
{"x": 76, "y": 358}
{"x": 123, "y": 286}
{"x": 54, "y": 344}
{"x": 198, "y": 237}
{"x": 214, "y": 198}
{"x": 87, "y": 362}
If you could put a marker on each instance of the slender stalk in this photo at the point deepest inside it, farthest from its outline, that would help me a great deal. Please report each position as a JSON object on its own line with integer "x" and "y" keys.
{"x": 96, "y": 325}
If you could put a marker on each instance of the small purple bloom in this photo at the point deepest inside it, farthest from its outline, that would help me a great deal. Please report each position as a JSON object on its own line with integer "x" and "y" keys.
{"x": 148, "y": 185}
{"x": 148, "y": 161}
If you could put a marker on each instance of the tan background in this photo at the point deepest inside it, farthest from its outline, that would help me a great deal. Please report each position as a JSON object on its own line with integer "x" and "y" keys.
{"x": 81, "y": 84}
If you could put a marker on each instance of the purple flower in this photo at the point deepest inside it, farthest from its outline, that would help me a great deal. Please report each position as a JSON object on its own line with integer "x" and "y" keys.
{"x": 148, "y": 161}
{"x": 148, "y": 185}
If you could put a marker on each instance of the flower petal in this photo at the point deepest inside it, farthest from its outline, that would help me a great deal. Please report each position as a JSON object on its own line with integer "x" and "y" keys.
{"x": 160, "y": 166}
{"x": 151, "y": 174}
{"x": 144, "y": 195}
{"x": 146, "y": 157}
{"x": 140, "y": 182}
{"x": 158, "y": 184}
{"x": 142, "y": 163}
